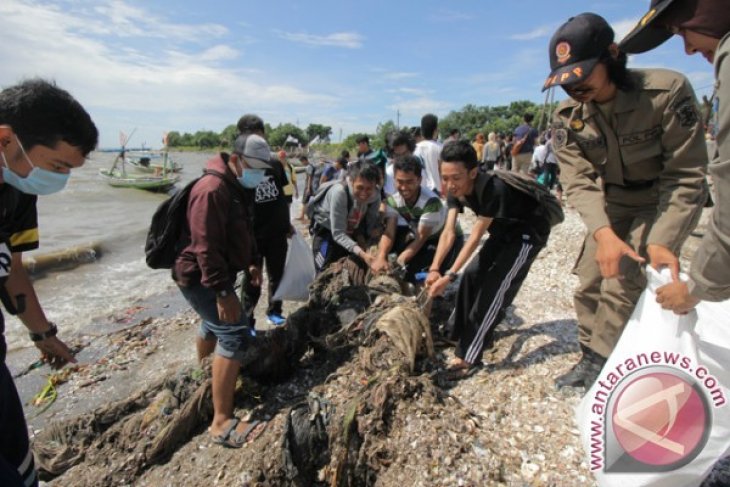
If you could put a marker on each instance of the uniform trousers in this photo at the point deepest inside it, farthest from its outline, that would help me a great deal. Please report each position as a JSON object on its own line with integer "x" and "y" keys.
{"x": 603, "y": 306}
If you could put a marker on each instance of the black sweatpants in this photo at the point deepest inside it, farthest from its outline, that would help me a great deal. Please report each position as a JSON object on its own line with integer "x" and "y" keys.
{"x": 16, "y": 460}
{"x": 273, "y": 254}
{"x": 324, "y": 248}
{"x": 489, "y": 284}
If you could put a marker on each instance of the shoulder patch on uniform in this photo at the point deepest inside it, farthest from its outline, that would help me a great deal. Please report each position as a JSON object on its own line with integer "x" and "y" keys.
{"x": 686, "y": 111}
{"x": 560, "y": 138}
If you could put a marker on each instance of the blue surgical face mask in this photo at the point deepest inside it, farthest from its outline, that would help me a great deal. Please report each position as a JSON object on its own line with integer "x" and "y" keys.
{"x": 39, "y": 181}
{"x": 252, "y": 178}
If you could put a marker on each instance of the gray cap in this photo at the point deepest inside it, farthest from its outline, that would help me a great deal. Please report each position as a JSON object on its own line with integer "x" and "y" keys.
{"x": 254, "y": 150}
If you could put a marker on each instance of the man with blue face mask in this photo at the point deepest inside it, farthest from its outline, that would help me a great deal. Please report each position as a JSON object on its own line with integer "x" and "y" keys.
{"x": 44, "y": 134}
{"x": 220, "y": 244}
{"x": 271, "y": 223}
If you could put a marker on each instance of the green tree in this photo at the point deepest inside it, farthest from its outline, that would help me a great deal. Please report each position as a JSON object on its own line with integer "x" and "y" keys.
{"x": 323, "y": 131}
{"x": 174, "y": 139}
{"x": 381, "y": 134}
{"x": 206, "y": 139}
{"x": 277, "y": 136}
{"x": 228, "y": 136}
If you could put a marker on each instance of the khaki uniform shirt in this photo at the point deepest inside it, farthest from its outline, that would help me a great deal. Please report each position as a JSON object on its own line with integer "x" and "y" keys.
{"x": 710, "y": 269}
{"x": 658, "y": 138}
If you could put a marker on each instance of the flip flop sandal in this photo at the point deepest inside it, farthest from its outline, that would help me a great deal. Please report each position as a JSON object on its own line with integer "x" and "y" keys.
{"x": 454, "y": 374}
{"x": 231, "y": 438}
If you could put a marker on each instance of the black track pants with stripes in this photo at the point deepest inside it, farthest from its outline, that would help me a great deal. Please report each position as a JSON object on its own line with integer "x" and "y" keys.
{"x": 16, "y": 460}
{"x": 489, "y": 284}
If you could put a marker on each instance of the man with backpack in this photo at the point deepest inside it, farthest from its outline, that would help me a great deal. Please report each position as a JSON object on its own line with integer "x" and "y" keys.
{"x": 344, "y": 216}
{"x": 518, "y": 213}
{"x": 44, "y": 135}
{"x": 220, "y": 244}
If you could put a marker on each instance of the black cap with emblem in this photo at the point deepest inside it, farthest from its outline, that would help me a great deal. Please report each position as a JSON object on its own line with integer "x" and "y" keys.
{"x": 576, "y": 48}
{"x": 647, "y": 34}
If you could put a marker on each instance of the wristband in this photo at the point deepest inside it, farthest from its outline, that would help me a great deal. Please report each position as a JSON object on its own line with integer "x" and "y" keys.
{"x": 451, "y": 275}
{"x": 434, "y": 270}
{"x": 39, "y": 337}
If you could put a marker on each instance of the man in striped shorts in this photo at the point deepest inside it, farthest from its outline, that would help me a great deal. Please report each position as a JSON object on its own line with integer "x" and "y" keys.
{"x": 518, "y": 230}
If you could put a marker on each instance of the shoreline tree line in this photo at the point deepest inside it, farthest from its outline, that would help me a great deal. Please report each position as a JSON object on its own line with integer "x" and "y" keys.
{"x": 470, "y": 120}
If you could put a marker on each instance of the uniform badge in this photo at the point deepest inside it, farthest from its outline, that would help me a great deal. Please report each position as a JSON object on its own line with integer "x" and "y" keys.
{"x": 687, "y": 115}
{"x": 562, "y": 52}
{"x": 560, "y": 139}
{"x": 577, "y": 124}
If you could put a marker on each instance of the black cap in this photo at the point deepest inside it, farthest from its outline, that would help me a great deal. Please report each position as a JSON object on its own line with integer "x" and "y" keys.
{"x": 576, "y": 48}
{"x": 647, "y": 35}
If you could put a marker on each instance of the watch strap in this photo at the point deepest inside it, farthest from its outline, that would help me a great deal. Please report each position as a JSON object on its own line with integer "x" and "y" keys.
{"x": 51, "y": 332}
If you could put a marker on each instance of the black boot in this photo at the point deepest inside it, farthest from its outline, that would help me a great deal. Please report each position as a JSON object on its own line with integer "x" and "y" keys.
{"x": 584, "y": 373}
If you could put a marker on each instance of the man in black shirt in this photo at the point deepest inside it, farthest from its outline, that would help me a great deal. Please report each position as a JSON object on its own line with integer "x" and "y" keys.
{"x": 517, "y": 232}
{"x": 271, "y": 221}
{"x": 44, "y": 134}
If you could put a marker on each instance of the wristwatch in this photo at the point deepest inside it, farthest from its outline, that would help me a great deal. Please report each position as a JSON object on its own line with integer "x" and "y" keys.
{"x": 39, "y": 337}
{"x": 451, "y": 275}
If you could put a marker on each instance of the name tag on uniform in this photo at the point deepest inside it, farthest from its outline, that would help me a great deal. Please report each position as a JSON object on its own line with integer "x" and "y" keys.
{"x": 639, "y": 137}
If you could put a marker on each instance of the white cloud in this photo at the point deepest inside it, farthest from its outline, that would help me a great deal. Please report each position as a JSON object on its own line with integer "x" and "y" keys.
{"x": 397, "y": 76}
{"x": 349, "y": 40}
{"x": 536, "y": 33}
{"x": 410, "y": 91}
{"x": 162, "y": 86}
{"x": 416, "y": 107}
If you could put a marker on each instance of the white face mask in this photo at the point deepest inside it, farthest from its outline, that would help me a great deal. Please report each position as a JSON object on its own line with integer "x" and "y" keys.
{"x": 39, "y": 181}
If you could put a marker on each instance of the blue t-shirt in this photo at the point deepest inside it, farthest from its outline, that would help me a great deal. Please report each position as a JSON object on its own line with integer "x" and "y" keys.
{"x": 520, "y": 133}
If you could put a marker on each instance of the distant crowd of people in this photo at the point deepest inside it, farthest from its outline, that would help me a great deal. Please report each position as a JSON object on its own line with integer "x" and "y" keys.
{"x": 627, "y": 145}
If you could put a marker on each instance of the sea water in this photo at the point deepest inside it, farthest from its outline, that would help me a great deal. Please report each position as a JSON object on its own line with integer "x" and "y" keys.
{"x": 89, "y": 210}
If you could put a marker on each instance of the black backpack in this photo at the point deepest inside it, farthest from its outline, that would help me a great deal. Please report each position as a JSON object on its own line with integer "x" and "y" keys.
{"x": 547, "y": 204}
{"x": 164, "y": 241}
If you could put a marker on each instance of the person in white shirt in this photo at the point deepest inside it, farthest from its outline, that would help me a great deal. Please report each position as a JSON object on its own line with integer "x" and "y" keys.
{"x": 430, "y": 152}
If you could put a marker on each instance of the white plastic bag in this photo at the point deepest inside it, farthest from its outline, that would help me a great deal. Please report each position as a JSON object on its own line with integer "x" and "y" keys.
{"x": 658, "y": 415}
{"x": 298, "y": 271}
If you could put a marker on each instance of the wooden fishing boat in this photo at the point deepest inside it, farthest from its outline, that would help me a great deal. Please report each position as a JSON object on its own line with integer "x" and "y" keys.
{"x": 119, "y": 179}
{"x": 151, "y": 162}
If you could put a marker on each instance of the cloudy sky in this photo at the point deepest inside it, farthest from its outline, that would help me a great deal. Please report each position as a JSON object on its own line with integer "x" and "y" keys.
{"x": 189, "y": 65}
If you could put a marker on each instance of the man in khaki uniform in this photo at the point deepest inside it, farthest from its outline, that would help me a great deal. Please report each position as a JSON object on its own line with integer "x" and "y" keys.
{"x": 632, "y": 157}
{"x": 704, "y": 26}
